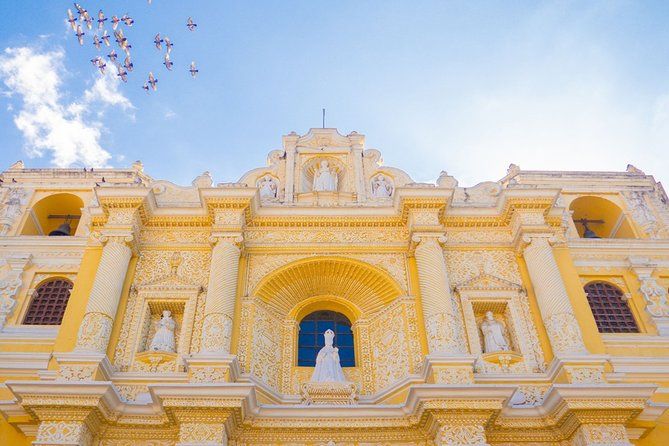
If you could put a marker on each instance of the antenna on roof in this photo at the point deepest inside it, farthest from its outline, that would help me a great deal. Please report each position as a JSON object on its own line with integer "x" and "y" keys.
{"x": 323, "y": 118}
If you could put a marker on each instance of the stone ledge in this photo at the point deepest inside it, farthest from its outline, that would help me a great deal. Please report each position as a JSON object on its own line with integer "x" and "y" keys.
{"x": 336, "y": 393}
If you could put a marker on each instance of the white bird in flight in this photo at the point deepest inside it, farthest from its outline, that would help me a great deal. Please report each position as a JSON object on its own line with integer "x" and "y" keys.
{"x": 193, "y": 71}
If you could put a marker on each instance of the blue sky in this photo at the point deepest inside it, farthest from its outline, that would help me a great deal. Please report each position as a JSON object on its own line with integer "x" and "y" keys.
{"x": 466, "y": 87}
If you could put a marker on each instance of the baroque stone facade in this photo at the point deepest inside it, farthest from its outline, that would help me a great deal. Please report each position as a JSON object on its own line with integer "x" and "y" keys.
{"x": 326, "y": 227}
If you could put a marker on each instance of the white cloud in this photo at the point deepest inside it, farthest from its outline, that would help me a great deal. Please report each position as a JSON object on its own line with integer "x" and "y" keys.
{"x": 105, "y": 90}
{"x": 49, "y": 125}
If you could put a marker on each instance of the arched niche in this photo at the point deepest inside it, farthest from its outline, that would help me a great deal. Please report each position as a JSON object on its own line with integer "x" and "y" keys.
{"x": 51, "y": 212}
{"x": 384, "y": 323}
{"x": 601, "y": 216}
{"x": 312, "y": 165}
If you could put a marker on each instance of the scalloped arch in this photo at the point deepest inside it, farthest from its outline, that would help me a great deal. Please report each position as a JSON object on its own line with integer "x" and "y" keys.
{"x": 365, "y": 286}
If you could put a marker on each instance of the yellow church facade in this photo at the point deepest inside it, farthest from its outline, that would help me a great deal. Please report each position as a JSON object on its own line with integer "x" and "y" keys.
{"x": 526, "y": 311}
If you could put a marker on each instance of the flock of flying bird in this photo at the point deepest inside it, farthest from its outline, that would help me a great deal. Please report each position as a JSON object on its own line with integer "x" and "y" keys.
{"x": 104, "y": 39}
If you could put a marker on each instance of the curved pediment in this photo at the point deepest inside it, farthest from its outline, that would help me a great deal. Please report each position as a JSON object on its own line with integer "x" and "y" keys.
{"x": 359, "y": 171}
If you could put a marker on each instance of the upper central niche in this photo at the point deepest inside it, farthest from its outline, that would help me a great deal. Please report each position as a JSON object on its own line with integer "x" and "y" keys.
{"x": 323, "y": 174}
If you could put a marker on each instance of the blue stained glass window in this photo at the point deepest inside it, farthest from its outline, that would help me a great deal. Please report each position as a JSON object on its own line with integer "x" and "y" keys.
{"x": 310, "y": 338}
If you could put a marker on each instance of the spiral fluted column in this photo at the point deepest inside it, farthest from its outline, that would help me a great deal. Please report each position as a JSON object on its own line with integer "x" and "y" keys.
{"x": 439, "y": 312}
{"x": 219, "y": 307}
{"x": 552, "y": 298}
{"x": 103, "y": 301}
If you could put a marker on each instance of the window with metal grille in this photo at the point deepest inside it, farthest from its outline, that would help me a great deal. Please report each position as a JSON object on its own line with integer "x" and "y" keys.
{"x": 311, "y": 340}
{"x": 612, "y": 314}
{"x": 48, "y": 304}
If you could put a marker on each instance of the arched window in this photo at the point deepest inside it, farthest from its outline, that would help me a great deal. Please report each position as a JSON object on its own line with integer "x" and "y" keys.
{"x": 49, "y": 302}
{"x": 612, "y": 314}
{"x": 310, "y": 338}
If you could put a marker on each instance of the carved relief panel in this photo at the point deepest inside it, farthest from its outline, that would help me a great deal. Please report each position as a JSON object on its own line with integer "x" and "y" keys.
{"x": 395, "y": 349}
{"x": 265, "y": 358}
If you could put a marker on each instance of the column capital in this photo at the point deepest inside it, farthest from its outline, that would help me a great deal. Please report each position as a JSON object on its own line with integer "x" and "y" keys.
{"x": 233, "y": 238}
{"x": 418, "y": 238}
{"x": 122, "y": 237}
{"x": 525, "y": 239}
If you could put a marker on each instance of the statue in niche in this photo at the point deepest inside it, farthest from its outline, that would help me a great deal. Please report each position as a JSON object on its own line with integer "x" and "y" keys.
{"x": 328, "y": 368}
{"x": 325, "y": 179}
{"x": 268, "y": 188}
{"x": 493, "y": 335}
{"x": 381, "y": 187}
{"x": 163, "y": 340}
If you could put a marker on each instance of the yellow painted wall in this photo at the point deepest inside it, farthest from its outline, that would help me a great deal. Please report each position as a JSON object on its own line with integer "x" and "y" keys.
{"x": 10, "y": 436}
{"x": 76, "y": 306}
{"x": 591, "y": 337}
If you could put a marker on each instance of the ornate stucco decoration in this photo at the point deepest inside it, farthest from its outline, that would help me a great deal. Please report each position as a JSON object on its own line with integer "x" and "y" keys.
{"x": 10, "y": 285}
{"x": 329, "y": 393}
{"x": 644, "y": 215}
{"x": 509, "y": 301}
{"x": 657, "y": 305}
{"x": 12, "y": 201}
{"x": 172, "y": 292}
{"x": 356, "y": 172}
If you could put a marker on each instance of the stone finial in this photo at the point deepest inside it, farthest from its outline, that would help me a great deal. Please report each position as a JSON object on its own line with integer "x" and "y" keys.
{"x": 632, "y": 169}
{"x": 138, "y": 166}
{"x": 203, "y": 180}
{"x": 446, "y": 180}
{"x": 17, "y": 165}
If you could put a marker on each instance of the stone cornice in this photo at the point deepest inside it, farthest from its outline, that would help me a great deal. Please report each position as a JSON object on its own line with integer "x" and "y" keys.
{"x": 564, "y": 407}
{"x": 239, "y": 197}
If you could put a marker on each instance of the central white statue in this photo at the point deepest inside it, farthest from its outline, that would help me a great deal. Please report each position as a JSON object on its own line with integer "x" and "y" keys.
{"x": 163, "y": 340}
{"x": 328, "y": 368}
{"x": 493, "y": 335}
{"x": 325, "y": 179}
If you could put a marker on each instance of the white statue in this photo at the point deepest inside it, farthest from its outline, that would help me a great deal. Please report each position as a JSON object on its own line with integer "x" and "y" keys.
{"x": 163, "y": 340}
{"x": 381, "y": 188}
{"x": 328, "y": 368}
{"x": 493, "y": 335}
{"x": 325, "y": 179}
{"x": 267, "y": 187}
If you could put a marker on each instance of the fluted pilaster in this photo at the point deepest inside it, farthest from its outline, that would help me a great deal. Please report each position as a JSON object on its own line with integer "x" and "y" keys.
{"x": 442, "y": 326}
{"x": 552, "y": 298}
{"x": 105, "y": 295}
{"x": 221, "y": 295}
